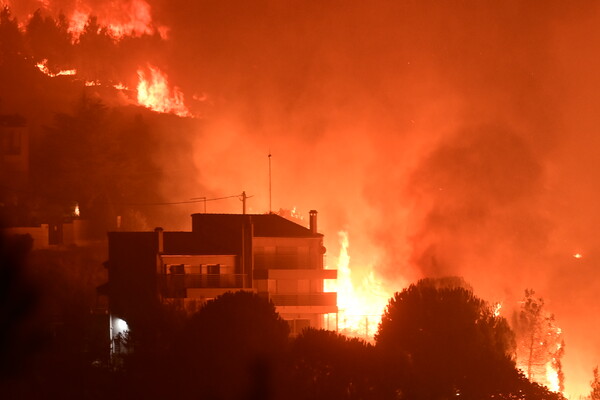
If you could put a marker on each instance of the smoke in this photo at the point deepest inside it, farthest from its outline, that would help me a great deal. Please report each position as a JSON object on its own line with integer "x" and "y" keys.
{"x": 442, "y": 137}
{"x": 447, "y": 139}
{"x": 454, "y": 138}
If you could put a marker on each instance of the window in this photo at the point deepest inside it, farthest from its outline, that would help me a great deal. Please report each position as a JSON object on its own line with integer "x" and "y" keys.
{"x": 176, "y": 269}
{"x": 213, "y": 269}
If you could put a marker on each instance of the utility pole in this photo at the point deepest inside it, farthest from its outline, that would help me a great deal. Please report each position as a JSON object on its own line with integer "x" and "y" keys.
{"x": 244, "y": 197}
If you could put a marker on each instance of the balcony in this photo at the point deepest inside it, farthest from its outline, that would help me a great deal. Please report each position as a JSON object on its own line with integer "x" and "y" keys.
{"x": 179, "y": 285}
{"x": 305, "y": 302}
{"x": 296, "y": 274}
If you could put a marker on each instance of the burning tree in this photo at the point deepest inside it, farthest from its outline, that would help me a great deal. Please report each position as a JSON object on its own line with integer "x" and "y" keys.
{"x": 595, "y": 384}
{"x": 540, "y": 346}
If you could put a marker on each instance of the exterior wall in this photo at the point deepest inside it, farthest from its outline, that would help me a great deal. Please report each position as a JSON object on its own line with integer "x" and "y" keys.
{"x": 14, "y": 153}
{"x": 48, "y": 236}
{"x": 289, "y": 270}
{"x": 133, "y": 290}
{"x": 288, "y": 253}
{"x": 39, "y": 234}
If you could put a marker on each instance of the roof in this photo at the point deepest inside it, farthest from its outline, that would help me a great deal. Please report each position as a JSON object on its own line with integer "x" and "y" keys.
{"x": 264, "y": 225}
{"x": 211, "y": 234}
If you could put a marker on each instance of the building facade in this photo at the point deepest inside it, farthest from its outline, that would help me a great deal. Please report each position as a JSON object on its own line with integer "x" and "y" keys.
{"x": 263, "y": 253}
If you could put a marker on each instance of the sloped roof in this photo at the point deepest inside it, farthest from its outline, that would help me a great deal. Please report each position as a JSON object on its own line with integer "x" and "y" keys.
{"x": 265, "y": 225}
{"x": 211, "y": 234}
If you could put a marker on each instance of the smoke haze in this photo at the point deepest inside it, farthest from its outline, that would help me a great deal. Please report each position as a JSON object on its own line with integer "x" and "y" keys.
{"x": 447, "y": 138}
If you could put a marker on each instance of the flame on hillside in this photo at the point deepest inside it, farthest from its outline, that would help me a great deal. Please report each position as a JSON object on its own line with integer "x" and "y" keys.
{"x": 153, "y": 92}
{"x": 118, "y": 18}
{"x": 43, "y": 67}
{"x": 360, "y": 306}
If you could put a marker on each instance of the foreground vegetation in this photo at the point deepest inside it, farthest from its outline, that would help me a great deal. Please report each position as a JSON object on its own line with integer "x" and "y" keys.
{"x": 436, "y": 341}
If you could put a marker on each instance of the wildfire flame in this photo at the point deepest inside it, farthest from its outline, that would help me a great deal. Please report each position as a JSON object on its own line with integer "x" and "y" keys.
{"x": 119, "y": 18}
{"x": 120, "y": 86}
{"x": 553, "y": 381}
{"x": 497, "y": 309}
{"x": 360, "y": 307}
{"x": 153, "y": 92}
{"x": 43, "y": 67}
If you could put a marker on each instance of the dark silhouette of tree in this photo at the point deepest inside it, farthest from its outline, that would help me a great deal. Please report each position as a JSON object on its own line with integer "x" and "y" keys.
{"x": 231, "y": 349}
{"x": 448, "y": 340}
{"x": 99, "y": 157}
{"x": 595, "y": 384}
{"x": 94, "y": 47}
{"x": 49, "y": 39}
{"x": 17, "y": 304}
{"x": 238, "y": 336}
{"x": 539, "y": 340}
{"x": 11, "y": 40}
{"x": 327, "y": 365}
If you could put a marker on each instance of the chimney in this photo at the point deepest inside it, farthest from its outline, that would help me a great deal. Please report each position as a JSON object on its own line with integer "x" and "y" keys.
{"x": 313, "y": 221}
{"x": 161, "y": 244}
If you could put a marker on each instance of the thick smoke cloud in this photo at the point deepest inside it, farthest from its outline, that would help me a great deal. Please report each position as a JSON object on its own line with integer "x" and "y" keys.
{"x": 441, "y": 136}
{"x": 447, "y": 138}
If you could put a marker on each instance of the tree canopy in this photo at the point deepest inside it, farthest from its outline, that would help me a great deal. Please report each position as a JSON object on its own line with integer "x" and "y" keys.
{"x": 447, "y": 342}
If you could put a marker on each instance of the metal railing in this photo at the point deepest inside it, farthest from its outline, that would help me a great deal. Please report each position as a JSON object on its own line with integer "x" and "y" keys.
{"x": 175, "y": 285}
{"x": 304, "y": 299}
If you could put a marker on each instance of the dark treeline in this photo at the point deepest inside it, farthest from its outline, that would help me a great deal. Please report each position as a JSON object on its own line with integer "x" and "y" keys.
{"x": 93, "y": 53}
{"x": 437, "y": 340}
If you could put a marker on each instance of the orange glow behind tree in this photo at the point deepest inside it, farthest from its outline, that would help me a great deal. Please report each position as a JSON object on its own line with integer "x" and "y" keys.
{"x": 360, "y": 305}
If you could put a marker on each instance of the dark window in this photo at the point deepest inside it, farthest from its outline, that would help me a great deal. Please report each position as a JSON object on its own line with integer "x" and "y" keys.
{"x": 213, "y": 269}
{"x": 176, "y": 269}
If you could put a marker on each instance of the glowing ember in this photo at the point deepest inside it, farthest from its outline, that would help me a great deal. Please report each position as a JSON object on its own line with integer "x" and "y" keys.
{"x": 120, "y": 86}
{"x": 577, "y": 255}
{"x": 42, "y": 66}
{"x": 360, "y": 307}
{"x": 154, "y": 93}
{"x": 76, "y": 211}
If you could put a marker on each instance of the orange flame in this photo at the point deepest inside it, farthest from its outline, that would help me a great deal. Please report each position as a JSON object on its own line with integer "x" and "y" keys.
{"x": 120, "y": 18}
{"x": 154, "y": 93}
{"x": 120, "y": 86}
{"x": 497, "y": 308}
{"x": 361, "y": 306}
{"x": 42, "y": 66}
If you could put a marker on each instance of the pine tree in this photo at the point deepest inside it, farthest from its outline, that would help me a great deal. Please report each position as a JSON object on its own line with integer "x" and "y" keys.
{"x": 540, "y": 346}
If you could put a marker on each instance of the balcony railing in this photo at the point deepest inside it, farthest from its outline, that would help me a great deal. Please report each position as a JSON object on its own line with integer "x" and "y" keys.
{"x": 287, "y": 261}
{"x": 304, "y": 299}
{"x": 175, "y": 285}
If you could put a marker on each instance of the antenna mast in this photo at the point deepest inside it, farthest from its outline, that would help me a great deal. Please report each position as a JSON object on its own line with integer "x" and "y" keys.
{"x": 270, "y": 209}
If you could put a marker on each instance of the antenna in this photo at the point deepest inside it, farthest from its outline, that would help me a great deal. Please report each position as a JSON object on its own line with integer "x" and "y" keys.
{"x": 270, "y": 209}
